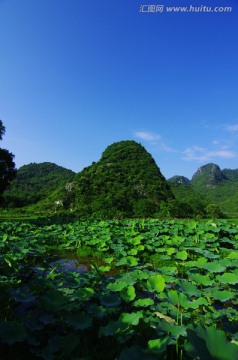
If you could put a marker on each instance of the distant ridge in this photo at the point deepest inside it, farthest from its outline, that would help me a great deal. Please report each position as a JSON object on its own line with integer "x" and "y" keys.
{"x": 126, "y": 180}
{"x": 215, "y": 186}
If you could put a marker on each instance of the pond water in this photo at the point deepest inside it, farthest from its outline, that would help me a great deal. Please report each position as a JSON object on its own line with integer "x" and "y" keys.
{"x": 69, "y": 265}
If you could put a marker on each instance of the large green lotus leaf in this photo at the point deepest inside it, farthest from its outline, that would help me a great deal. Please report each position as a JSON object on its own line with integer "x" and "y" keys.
{"x": 233, "y": 255}
{"x": 156, "y": 283}
{"x": 188, "y": 288}
{"x": 171, "y": 250}
{"x": 136, "y": 240}
{"x": 112, "y": 328}
{"x": 132, "y": 277}
{"x": 141, "y": 275}
{"x": 117, "y": 285}
{"x": 192, "y": 224}
{"x": 209, "y": 344}
{"x": 174, "y": 330}
{"x": 190, "y": 264}
{"x": 108, "y": 260}
{"x": 12, "y": 332}
{"x": 104, "y": 268}
{"x": 122, "y": 262}
{"x": 98, "y": 311}
{"x": 173, "y": 297}
{"x": 131, "y": 318}
{"x": 128, "y": 294}
{"x": 209, "y": 237}
{"x": 53, "y": 300}
{"x": 169, "y": 279}
{"x": 228, "y": 263}
{"x": 178, "y": 299}
{"x": 80, "y": 321}
{"x": 110, "y": 300}
{"x": 194, "y": 304}
{"x": 214, "y": 267}
{"x": 169, "y": 270}
{"x": 132, "y": 252}
{"x": 66, "y": 344}
{"x": 85, "y": 293}
{"x": 183, "y": 301}
{"x": 182, "y": 255}
{"x": 201, "y": 261}
{"x": 198, "y": 264}
{"x": 159, "y": 346}
{"x": 143, "y": 302}
{"x": 222, "y": 295}
{"x": 201, "y": 279}
{"x": 228, "y": 278}
{"x": 132, "y": 261}
{"x": 136, "y": 353}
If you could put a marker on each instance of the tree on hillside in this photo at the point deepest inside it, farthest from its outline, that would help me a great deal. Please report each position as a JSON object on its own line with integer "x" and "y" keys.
{"x": 2, "y": 129}
{"x": 7, "y": 166}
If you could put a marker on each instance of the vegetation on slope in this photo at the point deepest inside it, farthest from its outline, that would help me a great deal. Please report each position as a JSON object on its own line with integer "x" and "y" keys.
{"x": 126, "y": 180}
{"x": 219, "y": 187}
{"x": 7, "y": 166}
{"x": 35, "y": 182}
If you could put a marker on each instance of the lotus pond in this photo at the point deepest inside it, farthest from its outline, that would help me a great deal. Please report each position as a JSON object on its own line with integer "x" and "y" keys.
{"x": 119, "y": 290}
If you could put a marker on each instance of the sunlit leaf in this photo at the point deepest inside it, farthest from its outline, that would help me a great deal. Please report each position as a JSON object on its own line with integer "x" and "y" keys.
{"x": 222, "y": 295}
{"x": 228, "y": 278}
{"x": 156, "y": 283}
{"x": 128, "y": 294}
{"x": 117, "y": 285}
{"x": 143, "y": 302}
{"x": 214, "y": 267}
{"x": 158, "y": 345}
{"x": 131, "y": 318}
{"x": 182, "y": 255}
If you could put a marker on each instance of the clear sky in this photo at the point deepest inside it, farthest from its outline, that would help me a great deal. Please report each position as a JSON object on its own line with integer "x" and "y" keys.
{"x": 79, "y": 75}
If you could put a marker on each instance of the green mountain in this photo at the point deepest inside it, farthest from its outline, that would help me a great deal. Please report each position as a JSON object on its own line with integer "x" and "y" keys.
{"x": 179, "y": 180}
{"x": 231, "y": 174}
{"x": 192, "y": 203}
{"x": 216, "y": 189}
{"x": 36, "y": 182}
{"x": 126, "y": 180}
{"x": 208, "y": 176}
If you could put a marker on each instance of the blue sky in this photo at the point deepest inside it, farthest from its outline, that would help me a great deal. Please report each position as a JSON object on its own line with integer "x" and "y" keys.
{"x": 78, "y": 75}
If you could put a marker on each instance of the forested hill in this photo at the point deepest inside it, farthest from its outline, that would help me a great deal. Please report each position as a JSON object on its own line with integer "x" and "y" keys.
{"x": 125, "y": 180}
{"x": 35, "y": 182}
{"x": 218, "y": 188}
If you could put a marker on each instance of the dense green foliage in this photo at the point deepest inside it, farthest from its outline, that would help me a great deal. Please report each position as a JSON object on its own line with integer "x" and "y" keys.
{"x": 208, "y": 176}
{"x": 7, "y": 165}
{"x": 36, "y": 182}
{"x": 192, "y": 203}
{"x": 220, "y": 187}
{"x": 126, "y": 180}
{"x": 164, "y": 290}
{"x": 216, "y": 189}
